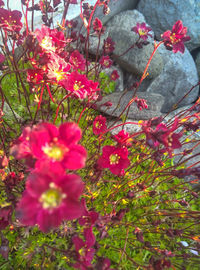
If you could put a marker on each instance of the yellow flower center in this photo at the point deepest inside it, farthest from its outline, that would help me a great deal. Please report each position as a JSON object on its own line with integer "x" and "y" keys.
{"x": 142, "y": 32}
{"x": 173, "y": 38}
{"x": 47, "y": 44}
{"x": 77, "y": 86}
{"x": 114, "y": 159}
{"x": 98, "y": 124}
{"x": 59, "y": 75}
{"x": 52, "y": 197}
{"x": 55, "y": 151}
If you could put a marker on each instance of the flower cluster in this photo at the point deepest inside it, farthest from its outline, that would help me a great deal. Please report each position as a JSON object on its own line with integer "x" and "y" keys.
{"x": 128, "y": 202}
{"x": 174, "y": 40}
{"x": 163, "y": 135}
{"x": 51, "y": 195}
{"x": 56, "y": 66}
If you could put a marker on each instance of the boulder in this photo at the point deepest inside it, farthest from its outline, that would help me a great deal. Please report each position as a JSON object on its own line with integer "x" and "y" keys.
{"x": 135, "y": 60}
{"x": 162, "y": 14}
{"x": 176, "y": 79}
{"x": 120, "y": 100}
{"x": 197, "y": 62}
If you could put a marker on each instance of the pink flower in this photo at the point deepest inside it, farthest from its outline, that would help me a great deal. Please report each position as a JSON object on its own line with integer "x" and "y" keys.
{"x": 77, "y": 60}
{"x": 123, "y": 138}
{"x": 50, "y": 198}
{"x": 21, "y": 148}
{"x": 114, "y": 158}
{"x": 50, "y": 40}
{"x": 35, "y": 75}
{"x": 174, "y": 40}
{"x": 47, "y": 143}
{"x": 58, "y": 145}
{"x": 84, "y": 250}
{"x": 57, "y": 68}
{"x": 10, "y": 20}
{"x": 163, "y": 135}
{"x": 141, "y": 103}
{"x": 89, "y": 217}
{"x": 142, "y": 30}
{"x": 108, "y": 45}
{"x": 114, "y": 75}
{"x": 99, "y": 125}
{"x": 78, "y": 84}
{"x": 105, "y": 61}
{"x": 98, "y": 26}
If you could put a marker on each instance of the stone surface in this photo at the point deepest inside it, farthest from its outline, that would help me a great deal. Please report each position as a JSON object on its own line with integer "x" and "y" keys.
{"x": 130, "y": 128}
{"x": 115, "y": 7}
{"x": 197, "y": 62}
{"x": 120, "y": 100}
{"x": 135, "y": 60}
{"x": 162, "y": 14}
{"x": 176, "y": 79}
{"x": 130, "y": 79}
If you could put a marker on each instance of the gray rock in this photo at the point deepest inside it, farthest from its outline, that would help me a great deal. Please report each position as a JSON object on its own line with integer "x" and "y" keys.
{"x": 130, "y": 128}
{"x": 197, "y": 62}
{"x": 135, "y": 60}
{"x": 162, "y": 14}
{"x": 120, "y": 100}
{"x": 130, "y": 79}
{"x": 176, "y": 79}
{"x": 115, "y": 7}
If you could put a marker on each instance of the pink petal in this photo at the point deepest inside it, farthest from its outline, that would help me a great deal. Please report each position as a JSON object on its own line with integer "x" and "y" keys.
{"x": 69, "y": 133}
{"x": 76, "y": 157}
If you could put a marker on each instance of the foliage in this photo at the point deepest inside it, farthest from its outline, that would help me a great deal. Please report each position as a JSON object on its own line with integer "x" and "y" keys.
{"x": 74, "y": 193}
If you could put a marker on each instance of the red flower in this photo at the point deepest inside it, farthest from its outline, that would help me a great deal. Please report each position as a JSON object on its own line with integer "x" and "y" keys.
{"x": 108, "y": 46}
{"x": 98, "y": 26}
{"x": 105, "y": 61}
{"x": 58, "y": 145}
{"x": 89, "y": 217}
{"x": 57, "y": 68}
{"x": 163, "y": 135}
{"x": 174, "y": 40}
{"x": 78, "y": 84}
{"x": 50, "y": 198}
{"x": 77, "y": 60}
{"x": 35, "y": 75}
{"x": 46, "y": 142}
{"x": 99, "y": 125}
{"x": 50, "y": 40}
{"x": 114, "y": 75}
{"x": 123, "y": 138}
{"x": 114, "y": 158}
{"x": 142, "y": 30}
{"x": 45, "y": 40}
{"x": 167, "y": 137}
{"x": 141, "y": 103}
{"x": 21, "y": 148}
{"x": 10, "y": 20}
{"x": 84, "y": 251}
{"x": 1, "y": 3}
